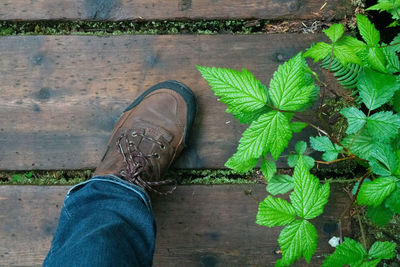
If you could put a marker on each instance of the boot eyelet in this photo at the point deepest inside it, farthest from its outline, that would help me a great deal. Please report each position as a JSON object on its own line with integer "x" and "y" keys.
{"x": 156, "y": 155}
{"x": 162, "y": 146}
{"x": 134, "y": 134}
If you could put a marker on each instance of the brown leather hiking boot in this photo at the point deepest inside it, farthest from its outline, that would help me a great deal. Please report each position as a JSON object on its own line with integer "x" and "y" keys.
{"x": 150, "y": 135}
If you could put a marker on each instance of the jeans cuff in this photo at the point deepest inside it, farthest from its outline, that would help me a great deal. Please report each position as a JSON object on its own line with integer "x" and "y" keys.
{"x": 116, "y": 180}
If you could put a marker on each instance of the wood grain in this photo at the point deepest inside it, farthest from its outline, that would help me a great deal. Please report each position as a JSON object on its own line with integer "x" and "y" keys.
{"x": 197, "y": 226}
{"x": 116, "y": 10}
{"x": 60, "y": 96}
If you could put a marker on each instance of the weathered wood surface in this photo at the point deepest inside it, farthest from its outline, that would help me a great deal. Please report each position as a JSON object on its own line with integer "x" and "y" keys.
{"x": 197, "y": 226}
{"x": 172, "y": 9}
{"x": 61, "y": 95}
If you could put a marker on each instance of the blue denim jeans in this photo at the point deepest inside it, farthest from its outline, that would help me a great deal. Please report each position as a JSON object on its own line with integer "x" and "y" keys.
{"x": 104, "y": 221}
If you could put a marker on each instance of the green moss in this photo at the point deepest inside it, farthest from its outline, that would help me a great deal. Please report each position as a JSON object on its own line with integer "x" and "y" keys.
{"x": 130, "y": 27}
{"x": 73, "y": 177}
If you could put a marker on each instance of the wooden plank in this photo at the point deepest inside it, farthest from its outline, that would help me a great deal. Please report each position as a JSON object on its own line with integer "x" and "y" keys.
{"x": 172, "y": 9}
{"x": 61, "y": 95}
{"x": 197, "y": 226}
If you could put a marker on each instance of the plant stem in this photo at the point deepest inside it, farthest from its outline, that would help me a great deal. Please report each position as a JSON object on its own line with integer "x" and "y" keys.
{"x": 363, "y": 239}
{"x": 340, "y": 181}
{"x": 361, "y": 182}
{"x": 336, "y": 160}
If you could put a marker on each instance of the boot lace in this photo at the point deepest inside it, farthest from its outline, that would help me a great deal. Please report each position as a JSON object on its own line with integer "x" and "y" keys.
{"x": 136, "y": 162}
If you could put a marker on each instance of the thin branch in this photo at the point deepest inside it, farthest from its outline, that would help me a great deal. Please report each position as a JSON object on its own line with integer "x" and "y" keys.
{"x": 336, "y": 160}
{"x": 363, "y": 239}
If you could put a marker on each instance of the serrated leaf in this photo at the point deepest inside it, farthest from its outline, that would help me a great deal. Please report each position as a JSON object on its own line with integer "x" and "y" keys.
{"x": 308, "y": 197}
{"x": 393, "y": 62}
{"x": 292, "y": 87}
{"x": 393, "y": 200}
{"x": 371, "y": 263}
{"x": 367, "y": 30}
{"x": 391, "y": 6}
{"x": 360, "y": 145}
{"x": 268, "y": 168}
{"x": 376, "y": 88}
{"x": 318, "y": 51}
{"x": 241, "y": 91}
{"x": 383, "y": 160}
{"x": 275, "y": 212}
{"x": 395, "y": 43}
{"x": 297, "y": 126}
{"x": 382, "y": 250}
{"x": 345, "y": 54}
{"x": 270, "y": 132}
{"x": 355, "y": 44}
{"x": 376, "y": 59}
{"x": 297, "y": 239}
{"x": 380, "y": 215}
{"x": 248, "y": 117}
{"x": 334, "y": 32}
{"x": 355, "y": 118}
{"x": 280, "y": 184}
{"x": 349, "y": 252}
{"x": 238, "y": 163}
{"x": 375, "y": 192}
{"x": 323, "y": 144}
{"x": 308, "y": 161}
{"x": 383, "y": 125}
{"x": 300, "y": 147}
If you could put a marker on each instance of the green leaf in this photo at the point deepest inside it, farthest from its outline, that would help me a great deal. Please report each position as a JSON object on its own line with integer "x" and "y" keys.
{"x": 292, "y": 87}
{"x": 334, "y": 32}
{"x": 248, "y": 117}
{"x": 238, "y": 163}
{"x": 393, "y": 200}
{"x": 376, "y": 88}
{"x": 270, "y": 132}
{"x": 308, "y": 161}
{"x": 380, "y": 215}
{"x": 376, "y": 59}
{"x": 268, "y": 168}
{"x": 318, "y": 51}
{"x": 391, "y": 6}
{"x": 355, "y": 118}
{"x": 395, "y": 44}
{"x": 367, "y": 30}
{"x": 392, "y": 59}
{"x": 345, "y": 55}
{"x": 297, "y": 239}
{"x": 297, "y": 126}
{"x": 241, "y": 91}
{"x": 353, "y": 43}
{"x": 372, "y": 263}
{"x": 308, "y": 197}
{"x": 360, "y": 145}
{"x": 349, "y": 252}
{"x": 382, "y": 250}
{"x": 300, "y": 147}
{"x": 322, "y": 143}
{"x": 383, "y": 125}
{"x": 275, "y": 212}
{"x": 383, "y": 160}
{"x": 280, "y": 184}
{"x": 396, "y": 101}
{"x": 375, "y": 192}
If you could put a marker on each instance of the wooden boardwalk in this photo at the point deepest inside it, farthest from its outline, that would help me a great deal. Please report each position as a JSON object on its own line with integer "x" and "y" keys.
{"x": 197, "y": 226}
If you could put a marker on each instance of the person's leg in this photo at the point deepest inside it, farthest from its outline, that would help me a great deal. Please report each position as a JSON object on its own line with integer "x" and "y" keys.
{"x": 104, "y": 222}
{"x": 107, "y": 221}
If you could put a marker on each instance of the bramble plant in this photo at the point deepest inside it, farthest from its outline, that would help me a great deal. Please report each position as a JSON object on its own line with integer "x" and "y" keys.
{"x": 371, "y": 70}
